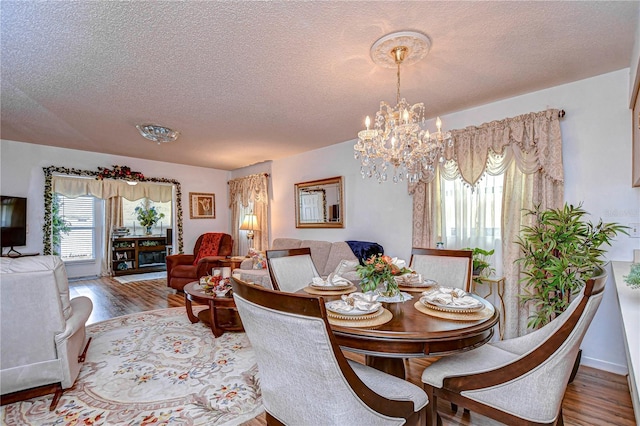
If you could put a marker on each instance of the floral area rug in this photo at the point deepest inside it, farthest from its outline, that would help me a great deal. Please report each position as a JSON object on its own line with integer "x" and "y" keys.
{"x": 154, "y": 368}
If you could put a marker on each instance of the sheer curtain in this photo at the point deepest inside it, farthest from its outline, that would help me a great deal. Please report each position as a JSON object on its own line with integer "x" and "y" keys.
{"x": 472, "y": 217}
{"x": 246, "y": 193}
{"x": 527, "y": 151}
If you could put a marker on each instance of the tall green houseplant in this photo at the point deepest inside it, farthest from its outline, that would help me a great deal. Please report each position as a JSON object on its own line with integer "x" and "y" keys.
{"x": 58, "y": 226}
{"x": 560, "y": 252}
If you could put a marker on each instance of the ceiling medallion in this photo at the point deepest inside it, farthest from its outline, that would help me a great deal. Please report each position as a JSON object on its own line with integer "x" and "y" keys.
{"x": 398, "y": 139}
{"x": 158, "y": 134}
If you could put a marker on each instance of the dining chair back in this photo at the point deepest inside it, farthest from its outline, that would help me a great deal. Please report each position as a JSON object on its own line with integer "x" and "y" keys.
{"x": 519, "y": 381}
{"x": 291, "y": 269}
{"x": 304, "y": 377}
{"x": 449, "y": 268}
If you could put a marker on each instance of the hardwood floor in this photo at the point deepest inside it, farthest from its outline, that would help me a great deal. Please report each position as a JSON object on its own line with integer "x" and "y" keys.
{"x": 595, "y": 398}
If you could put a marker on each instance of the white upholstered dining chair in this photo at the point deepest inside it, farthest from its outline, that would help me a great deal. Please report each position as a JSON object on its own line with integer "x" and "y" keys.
{"x": 449, "y": 268}
{"x": 291, "y": 269}
{"x": 304, "y": 377}
{"x": 519, "y": 381}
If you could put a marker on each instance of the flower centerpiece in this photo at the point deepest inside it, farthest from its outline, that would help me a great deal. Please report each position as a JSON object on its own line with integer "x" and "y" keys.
{"x": 382, "y": 269}
{"x": 148, "y": 217}
{"x": 215, "y": 284}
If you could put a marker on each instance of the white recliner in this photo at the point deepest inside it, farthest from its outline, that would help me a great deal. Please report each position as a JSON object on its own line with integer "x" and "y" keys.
{"x": 43, "y": 332}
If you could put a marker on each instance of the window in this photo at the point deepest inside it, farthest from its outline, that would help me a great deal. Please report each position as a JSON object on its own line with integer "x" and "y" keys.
{"x": 129, "y": 217}
{"x": 79, "y": 215}
{"x": 472, "y": 217}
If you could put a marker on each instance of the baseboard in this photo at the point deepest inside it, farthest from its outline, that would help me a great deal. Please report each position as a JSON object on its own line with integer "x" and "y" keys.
{"x": 621, "y": 370}
{"x": 90, "y": 277}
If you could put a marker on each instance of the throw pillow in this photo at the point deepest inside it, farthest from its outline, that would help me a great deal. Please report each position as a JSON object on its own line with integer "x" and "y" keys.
{"x": 363, "y": 250}
{"x": 345, "y": 266}
{"x": 259, "y": 259}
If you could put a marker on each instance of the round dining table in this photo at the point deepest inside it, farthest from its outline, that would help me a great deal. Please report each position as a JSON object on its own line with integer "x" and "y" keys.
{"x": 411, "y": 333}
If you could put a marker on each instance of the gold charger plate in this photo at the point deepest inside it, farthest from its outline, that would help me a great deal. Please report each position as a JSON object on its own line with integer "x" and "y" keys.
{"x": 384, "y": 317}
{"x": 484, "y": 313}
{"x": 343, "y": 290}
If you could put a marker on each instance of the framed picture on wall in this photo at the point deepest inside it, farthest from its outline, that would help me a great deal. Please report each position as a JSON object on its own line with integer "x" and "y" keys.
{"x": 202, "y": 205}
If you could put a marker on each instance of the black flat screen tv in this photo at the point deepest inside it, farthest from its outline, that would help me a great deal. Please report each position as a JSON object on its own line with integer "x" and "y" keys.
{"x": 13, "y": 222}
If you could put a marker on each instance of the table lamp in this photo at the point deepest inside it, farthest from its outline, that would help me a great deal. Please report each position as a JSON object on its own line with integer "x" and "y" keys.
{"x": 250, "y": 223}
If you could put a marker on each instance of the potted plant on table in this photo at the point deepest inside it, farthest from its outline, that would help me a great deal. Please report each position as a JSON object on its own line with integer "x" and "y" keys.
{"x": 561, "y": 250}
{"x": 148, "y": 217}
{"x": 481, "y": 266}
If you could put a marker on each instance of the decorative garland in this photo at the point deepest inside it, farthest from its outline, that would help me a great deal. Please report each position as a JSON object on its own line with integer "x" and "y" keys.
{"x": 118, "y": 172}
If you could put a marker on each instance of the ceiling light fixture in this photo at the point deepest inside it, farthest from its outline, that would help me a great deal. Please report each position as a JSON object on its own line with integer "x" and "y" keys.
{"x": 158, "y": 134}
{"x": 397, "y": 139}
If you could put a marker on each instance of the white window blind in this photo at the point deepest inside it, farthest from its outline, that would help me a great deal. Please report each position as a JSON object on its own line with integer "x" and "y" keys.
{"x": 79, "y": 215}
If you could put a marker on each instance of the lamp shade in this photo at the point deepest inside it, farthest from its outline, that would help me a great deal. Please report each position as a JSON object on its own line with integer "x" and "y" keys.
{"x": 249, "y": 223}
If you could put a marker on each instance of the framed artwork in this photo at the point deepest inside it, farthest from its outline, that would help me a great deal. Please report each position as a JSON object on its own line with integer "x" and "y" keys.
{"x": 202, "y": 205}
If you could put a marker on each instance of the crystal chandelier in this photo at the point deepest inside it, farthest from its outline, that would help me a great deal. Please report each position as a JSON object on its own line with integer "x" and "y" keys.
{"x": 157, "y": 134}
{"x": 397, "y": 142}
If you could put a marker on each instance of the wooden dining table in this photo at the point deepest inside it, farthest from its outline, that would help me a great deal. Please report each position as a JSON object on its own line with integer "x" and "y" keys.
{"x": 411, "y": 333}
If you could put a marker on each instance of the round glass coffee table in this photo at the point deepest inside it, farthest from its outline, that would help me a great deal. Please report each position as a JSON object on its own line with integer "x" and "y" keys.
{"x": 222, "y": 314}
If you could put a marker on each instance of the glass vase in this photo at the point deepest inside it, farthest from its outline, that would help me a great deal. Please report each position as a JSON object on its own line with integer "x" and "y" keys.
{"x": 388, "y": 289}
{"x": 148, "y": 230}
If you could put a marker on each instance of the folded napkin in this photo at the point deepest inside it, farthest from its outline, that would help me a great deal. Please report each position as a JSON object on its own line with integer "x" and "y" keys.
{"x": 447, "y": 296}
{"x": 331, "y": 281}
{"x": 360, "y": 301}
{"x": 399, "y": 262}
{"x": 410, "y": 280}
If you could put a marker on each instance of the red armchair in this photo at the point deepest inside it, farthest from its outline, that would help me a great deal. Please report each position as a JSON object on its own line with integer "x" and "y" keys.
{"x": 181, "y": 269}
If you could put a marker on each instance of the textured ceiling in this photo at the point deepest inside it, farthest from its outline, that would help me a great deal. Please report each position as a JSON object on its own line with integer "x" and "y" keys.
{"x": 246, "y": 82}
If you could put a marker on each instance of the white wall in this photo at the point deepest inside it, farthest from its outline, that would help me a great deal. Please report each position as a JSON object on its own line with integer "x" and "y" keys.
{"x": 597, "y": 162}
{"x": 21, "y": 175}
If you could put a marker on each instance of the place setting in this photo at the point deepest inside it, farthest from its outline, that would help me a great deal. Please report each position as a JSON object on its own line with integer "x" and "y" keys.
{"x": 333, "y": 285}
{"x": 357, "y": 310}
{"x": 414, "y": 283}
{"x": 454, "y": 304}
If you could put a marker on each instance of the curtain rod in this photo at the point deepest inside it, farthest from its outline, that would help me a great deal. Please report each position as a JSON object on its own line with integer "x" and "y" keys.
{"x": 264, "y": 174}
{"x": 561, "y": 113}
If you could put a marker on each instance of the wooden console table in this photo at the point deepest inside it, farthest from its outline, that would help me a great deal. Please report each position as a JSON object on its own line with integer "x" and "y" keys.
{"x": 138, "y": 255}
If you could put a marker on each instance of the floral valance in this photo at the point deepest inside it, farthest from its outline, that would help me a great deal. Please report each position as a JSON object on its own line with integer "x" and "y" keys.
{"x": 107, "y": 188}
{"x": 533, "y": 140}
{"x": 248, "y": 188}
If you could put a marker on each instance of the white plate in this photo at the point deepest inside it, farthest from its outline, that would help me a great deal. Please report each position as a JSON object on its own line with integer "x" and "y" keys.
{"x": 424, "y": 284}
{"x": 335, "y": 306}
{"x": 452, "y": 308}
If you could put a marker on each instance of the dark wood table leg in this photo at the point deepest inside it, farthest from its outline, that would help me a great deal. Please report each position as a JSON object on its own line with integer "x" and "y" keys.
{"x": 393, "y": 366}
{"x": 213, "y": 317}
{"x": 189, "y": 308}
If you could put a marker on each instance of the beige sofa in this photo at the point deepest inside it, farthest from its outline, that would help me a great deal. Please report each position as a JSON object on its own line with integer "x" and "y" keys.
{"x": 326, "y": 257}
{"x": 43, "y": 329}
